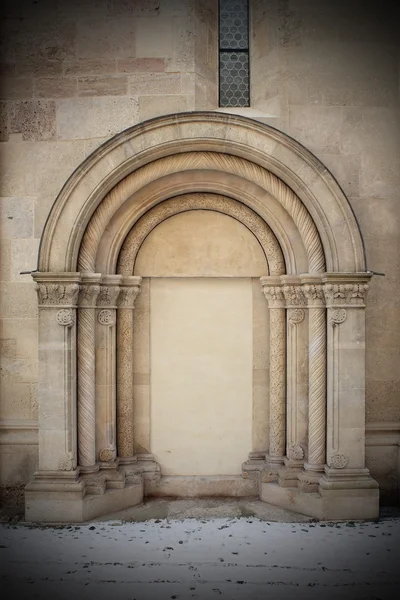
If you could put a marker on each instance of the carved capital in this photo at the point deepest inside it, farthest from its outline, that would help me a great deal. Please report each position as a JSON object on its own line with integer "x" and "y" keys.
{"x": 346, "y": 290}
{"x": 273, "y": 292}
{"x": 314, "y": 295}
{"x": 128, "y": 295}
{"x": 108, "y": 295}
{"x": 88, "y": 295}
{"x": 294, "y": 295}
{"x": 56, "y": 294}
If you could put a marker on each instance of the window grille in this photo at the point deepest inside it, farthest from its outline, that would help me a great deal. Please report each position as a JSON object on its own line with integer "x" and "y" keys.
{"x": 234, "y": 86}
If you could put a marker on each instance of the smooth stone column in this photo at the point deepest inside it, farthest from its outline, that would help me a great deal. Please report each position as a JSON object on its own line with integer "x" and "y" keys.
{"x": 106, "y": 370}
{"x": 314, "y": 467}
{"x": 273, "y": 292}
{"x": 297, "y": 384}
{"x": 90, "y": 289}
{"x": 130, "y": 288}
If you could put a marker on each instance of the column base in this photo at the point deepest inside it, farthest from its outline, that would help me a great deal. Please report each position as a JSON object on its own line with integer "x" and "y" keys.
{"x": 355, "y": 501}
{"x": 288, "y": 475}
{"x": 272, "y": 466}
{"x": 66, "y": 497}
{"x": 310, "y": 477}
{"x": 251, "y": 468}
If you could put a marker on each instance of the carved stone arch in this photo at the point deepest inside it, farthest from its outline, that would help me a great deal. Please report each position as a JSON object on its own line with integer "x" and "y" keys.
{"x": 227, "y": 206}
{"x": 259, "y": 144}
{"x": 196, "y": 162}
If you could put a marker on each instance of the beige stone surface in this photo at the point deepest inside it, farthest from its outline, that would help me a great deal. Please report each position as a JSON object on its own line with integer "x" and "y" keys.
{"x": 201, "y": 375}
{"x": 200, "y": 243}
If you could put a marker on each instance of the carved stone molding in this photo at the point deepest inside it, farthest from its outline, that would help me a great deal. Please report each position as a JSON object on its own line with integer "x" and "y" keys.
{"x": 338, "y": 461}
{"x": 107, "y": 455}
{"x": 129, "y": 290}
{"x": 88, "y": 294}
{"x": 196, "y": 201}
{"x": 273, "y": 292}
{"x": 314, "y": 295}
{"x": 295, "y": 452}
{"x": 108, "y": 296}
{"x": 346, "y": 290}
{"x": 337, "y": 316}
{"x": 56, "y": 294}
{"x": 226, "y": 163}
{"x": 106, "y": 317}
{"x": 296, "y": 315}
{"x": 66, "y": 317}
{"x": 294, "y": 296}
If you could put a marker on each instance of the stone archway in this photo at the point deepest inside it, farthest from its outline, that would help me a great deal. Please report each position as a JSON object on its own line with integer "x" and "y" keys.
{"x": 315, "y": 291}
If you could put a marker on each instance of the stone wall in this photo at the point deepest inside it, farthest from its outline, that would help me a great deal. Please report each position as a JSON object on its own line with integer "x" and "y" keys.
{"x": 75, "y": 73}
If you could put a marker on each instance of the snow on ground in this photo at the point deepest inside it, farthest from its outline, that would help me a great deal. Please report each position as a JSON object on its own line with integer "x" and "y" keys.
{"x": 232, "y": 558}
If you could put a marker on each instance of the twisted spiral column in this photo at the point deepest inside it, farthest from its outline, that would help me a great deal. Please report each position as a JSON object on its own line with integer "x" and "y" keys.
{"x": 86, "y": 372}
{"x": 273, "y": 293}
{"x": 314, "y": 294}
{"x": 130, "y": 288}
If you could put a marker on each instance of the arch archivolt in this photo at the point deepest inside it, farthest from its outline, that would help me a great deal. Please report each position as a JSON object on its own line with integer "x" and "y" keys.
{"x": 198, "y": 161}
{"x": 186, "y": 202}
{"x": 314, "y": 252}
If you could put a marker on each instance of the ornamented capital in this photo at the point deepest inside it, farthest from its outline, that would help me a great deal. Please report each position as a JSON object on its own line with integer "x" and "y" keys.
{"x": 314, "y": 295}
{"x": 294, "y": 296}
{"x": 346, "y": 290}
{"x": 108, "y": 295}
{"x": 128, "y": 296}
{"x": 57, "y": 294}
{"x": 88, "y": 295}
{"x": 273, "y": 291}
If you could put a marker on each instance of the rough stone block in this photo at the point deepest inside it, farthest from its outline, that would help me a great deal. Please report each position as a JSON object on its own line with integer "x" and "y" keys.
{"x": 35, "y": 119}
{"x": 86, "y": 66}
{"x": 24, "y": 255}
{"x": 35, "y": 67}
{"x": 153, "y": 106}
{"x": 102, "y": 86}
{"x": 138, "y": 65}
{"x": 95, "y": 117}
{"x": 154, "y": 38}
{"x": 317, "y": 127}
{"x": 108, "y": 38}
{"x": 118, "y": 8}
{"x": 14, "y": 88}
{"x": 155, "y": 83}
{"x": 16, "y": 218}
{"x": 5, "y": 259}
{"x": 55, "y": 87}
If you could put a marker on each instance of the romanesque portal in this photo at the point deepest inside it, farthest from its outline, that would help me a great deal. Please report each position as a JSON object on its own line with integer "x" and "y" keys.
{"x": 202, "y": 288}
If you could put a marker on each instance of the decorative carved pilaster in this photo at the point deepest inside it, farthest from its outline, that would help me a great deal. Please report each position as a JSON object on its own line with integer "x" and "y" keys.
{"x": 345, "y": 295}
{"x": 107, "y": 303}
{"x": 273, "y": 292}
{"x": 295, "y": 424}
{"x": 314, "y": 294}
{"x": 130, "y": 289}
{"x": 57, "y": 299}
{"x": 89, "y": 292}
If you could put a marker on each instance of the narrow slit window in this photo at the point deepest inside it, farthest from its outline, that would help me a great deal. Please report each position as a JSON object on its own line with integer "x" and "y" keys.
{"x": 234, "y": 84}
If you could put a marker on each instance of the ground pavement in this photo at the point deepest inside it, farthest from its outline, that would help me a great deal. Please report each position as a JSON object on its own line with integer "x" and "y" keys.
{"x": 202, "y": 549}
